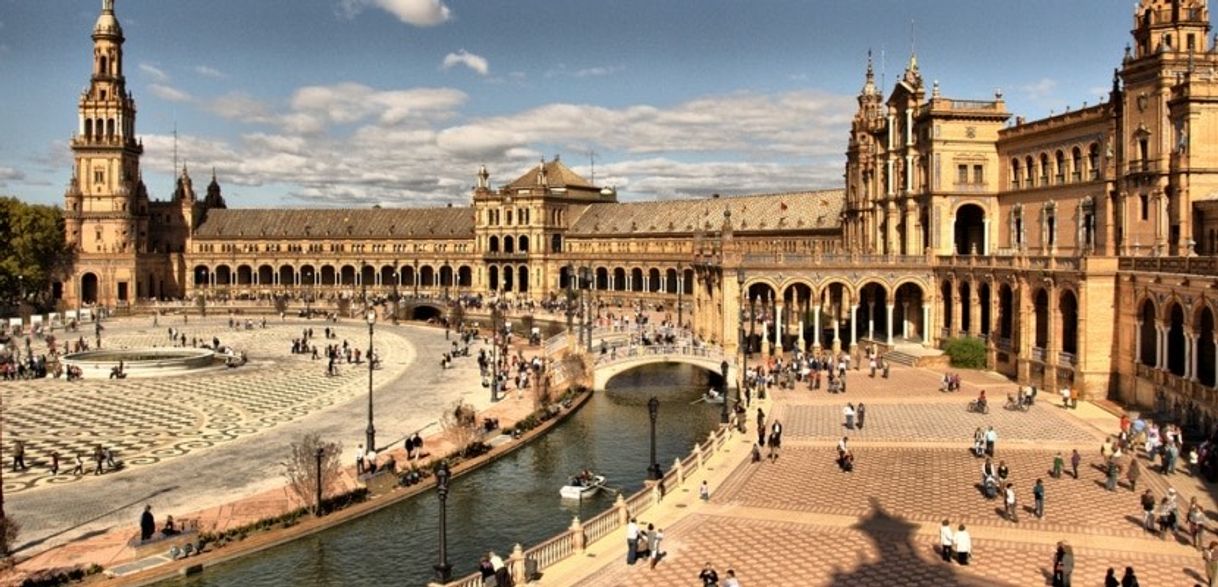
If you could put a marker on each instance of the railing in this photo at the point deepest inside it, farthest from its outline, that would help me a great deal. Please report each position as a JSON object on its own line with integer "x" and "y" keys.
{"x": 1183, "y": 265}
{"x": 1067, "y": 359}
{"x": 684, "y": 348}
{"x": 1038, "y": 354}
{"x": 1003, "y": 343}
{"x": 575, "y": 539}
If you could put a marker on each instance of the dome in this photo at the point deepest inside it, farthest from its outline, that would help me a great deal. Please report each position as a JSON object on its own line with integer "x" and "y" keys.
{"x": 107, "y": 23}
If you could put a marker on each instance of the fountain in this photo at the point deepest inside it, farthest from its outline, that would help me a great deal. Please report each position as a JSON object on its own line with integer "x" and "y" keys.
{"x": 139, "y": 363}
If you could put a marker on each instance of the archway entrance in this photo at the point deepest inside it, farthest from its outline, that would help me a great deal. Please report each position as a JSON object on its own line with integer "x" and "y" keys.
{"x": 970, "y": 230}
{"x": 88, "y": 288}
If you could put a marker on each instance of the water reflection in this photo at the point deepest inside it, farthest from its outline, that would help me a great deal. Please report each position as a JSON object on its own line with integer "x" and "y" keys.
{"x": 513, "y": 500}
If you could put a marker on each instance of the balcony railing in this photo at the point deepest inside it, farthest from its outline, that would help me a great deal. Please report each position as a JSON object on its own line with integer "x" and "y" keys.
{"x": 1067, "y": 359}
{"x": 1038, "y": 354}
{"x": 1207, "y": 266}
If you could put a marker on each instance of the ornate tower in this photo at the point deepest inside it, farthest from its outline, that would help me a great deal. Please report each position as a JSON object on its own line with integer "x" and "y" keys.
{"x": 106, "y": 204}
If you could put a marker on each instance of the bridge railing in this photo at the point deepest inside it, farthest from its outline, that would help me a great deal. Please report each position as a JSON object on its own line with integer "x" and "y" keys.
{"x": 575, "y": 540}
{"x": 685, "y": 348}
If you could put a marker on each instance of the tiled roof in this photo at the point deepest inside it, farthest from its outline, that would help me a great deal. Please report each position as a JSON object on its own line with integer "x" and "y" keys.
{"x": 816, "y": 210}
{"x": 365, "y": 222}
{"x": 557, "y": 175}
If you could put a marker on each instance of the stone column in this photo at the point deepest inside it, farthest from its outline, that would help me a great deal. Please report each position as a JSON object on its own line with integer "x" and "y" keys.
{"x": 905, "y": 320}
{"x": 1137, "y": 343}
{"x": 778, "y": 330}
{"x": 1190, "y": 356}
{"x": 926, "y": 339}
{"x": 1161, "y": 354}
{"x": 837, "y": 331}
{"x": 871, "y": 320}
{"x": 816, "y": 327}
{"x": 854, "y": 325}
{"x": 891, "y": 307}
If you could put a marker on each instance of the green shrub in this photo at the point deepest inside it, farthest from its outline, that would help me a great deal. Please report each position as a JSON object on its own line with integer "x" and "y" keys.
{"x": 966, "y": 352}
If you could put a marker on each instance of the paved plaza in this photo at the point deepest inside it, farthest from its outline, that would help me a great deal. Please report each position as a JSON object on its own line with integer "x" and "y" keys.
{"x": 198, "y": 440}
{"x": 802, "y": 521}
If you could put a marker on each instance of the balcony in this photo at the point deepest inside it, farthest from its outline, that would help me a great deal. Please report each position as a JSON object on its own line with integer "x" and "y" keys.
{"x": 501, "y": 256}
{"x": 1038, "y": 354}
{"x": 1065, "y": 359}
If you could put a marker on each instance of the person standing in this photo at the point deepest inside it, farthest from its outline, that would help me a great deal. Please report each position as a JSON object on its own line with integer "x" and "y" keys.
{"x": 704, "y": 491}
{"x": 991, "y": 438}
{"x": 962, "y": 545}
{"x": 632, "y": 541}
{"x": 1063, "y": 565}
{"x": 848, "y": 413}
{"x": 708, "y": 576}
{"x": 945, "y": 541}
{"x": 1135, "y": 472}
{"x": 1058, "y": 465}
{"x": 1148, "y": 511}
{"x": 731, "y": 581}
{"x": 147, "y": 524}
{"x": 654, "y": 545}
{"x": 1130, "y": 579}
{"x": 1009, "y": 501}
{"x": 19, "y": 455}
{"x": 80, "y": 466}
{"x": 1210, "y": 556}
{"x": 1075, "y": 460}
{"x": 1038, "y": 496}
{"x": 1110, "y": 579}
{"x": 359, "y": 460}
{"x": 1196, "y": 523}
{"x": 859, "y": 413}
{"x": 1113, "y": 471}
{"x": 54, "y": 462}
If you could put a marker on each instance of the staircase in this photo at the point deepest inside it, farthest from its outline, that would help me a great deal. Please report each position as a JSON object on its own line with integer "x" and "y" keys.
{"x": 914, "y": 355}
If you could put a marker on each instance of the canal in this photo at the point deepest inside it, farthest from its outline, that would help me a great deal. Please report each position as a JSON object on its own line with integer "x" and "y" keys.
{"x": 514, "y": 500}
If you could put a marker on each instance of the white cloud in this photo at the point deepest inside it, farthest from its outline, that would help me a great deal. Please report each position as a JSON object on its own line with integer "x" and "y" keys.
{"x": 154, "y": 72}
{"x": 470, "y": 60}
{"x": 599, "y": 71}
{"x": 1040, "y": 89}
{"x": 169, "y": 93}
{"x": 211, "y": 72}
{"x": 422, "y": 13}
{"x": 8, "y": 174}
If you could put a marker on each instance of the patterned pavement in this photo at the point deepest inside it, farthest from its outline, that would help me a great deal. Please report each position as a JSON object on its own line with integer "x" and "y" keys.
{"x": 146, "y": 421}
{"x": 802, "y": 521}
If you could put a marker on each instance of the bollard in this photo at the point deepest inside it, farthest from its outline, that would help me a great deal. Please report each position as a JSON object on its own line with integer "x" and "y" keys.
{"x": 676, "y": 464}
{"x": 623, "y": 516}
{"x": 516, "y": 565}
{"x": 578, "y": 540}
{"x": 698, "y": 453}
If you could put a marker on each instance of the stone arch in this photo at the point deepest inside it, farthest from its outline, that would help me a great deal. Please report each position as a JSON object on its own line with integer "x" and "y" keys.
{"x": 1175, "y": 338}
{"x": 1203, "y": 326}
{"x": 619, "y": 279}
{"x": 509, "y": 244}
{"x": 945, "y": 293}
{"x": 522, "y": 281}
{"x": 636, "y": 280}
{"x": 266, "y": 275}
{"x": 367, "y": 275}
{"x": 969, "y": 229}
{"x": 1040, "y": 312}
{"x": 409, "y": 275}
{"x": 985, "y": 294}
{"x": 1067, "y": 310}
{"x": 670, "y": 280}
{"x": 797, "y": 310}
{"x": 909, "y": 299}
{"x": 509, "y": 277}
{"x": 465, "y": 276}
{"x": 347, "y": 275}
{"x": 89, "y": 287}
{"x": 492, "y": 274}
{"x": 874, "y": 298}
{"x": 202, "y": 276}
{"x": 427, "y": 276}
{"x": 965, "y": 289}
{"x": 245, "y": 275}
{"x": 389, "y": 275}
{"x": 328, "y": 276}
{"x": 224, "y": 275}
{"x": 653, "y": 280}
{"x": 308, "y": 275}
{"x": 602, "y": 279}
{"x": 1148, "y": 338}
{"x": 492, "y": 244}
{"x": 522, "y": 243}
{"x": 287, "y": 275}
{"x": 1006, "y": 311}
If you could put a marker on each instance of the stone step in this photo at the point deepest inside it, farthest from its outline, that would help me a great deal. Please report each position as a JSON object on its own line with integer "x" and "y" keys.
{"x": 900, "y": 358}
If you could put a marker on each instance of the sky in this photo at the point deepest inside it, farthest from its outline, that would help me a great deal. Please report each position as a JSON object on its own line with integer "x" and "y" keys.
{"x": 328, "y": 103}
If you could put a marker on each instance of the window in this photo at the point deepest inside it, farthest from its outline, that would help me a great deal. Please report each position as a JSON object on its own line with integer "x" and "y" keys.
{"x": 1192, "y": 43}
{"x": 978, "y": 174}
{"x": 99, "y": 176}
{"x": 1060, "y": 177}
{"x": 962, "y": 174}
{"x": 1093, "y": 160}
{"x": 1015, "y": 174}
{"x": 1076, "y": 170}
{"x": 1145, "y": 207}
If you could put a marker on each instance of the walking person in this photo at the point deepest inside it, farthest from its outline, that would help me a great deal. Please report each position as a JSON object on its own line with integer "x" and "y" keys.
{"x": 1210, "y": 556}
{"x": 1110, "y": 579}
{"x": 18, "y": 455}
{"x": 1038, "y": 496}
{"x": 731, "y": 581}
{"x": 860, "y": 412}
{"x": 704, "y": 491}
{"x": 359, "y": 460}
{"x": 1113, "y": 471}
{"x": 632, "y": 541}
{"x": 708, "y": 576}
{"x": 147, "y": 524}
{"x": 1196, "y": 523}
{"x": 1135, "y": 472}
{"x": 1129, "y": 579}
{"x": 946, "y": 537}
{"x": 1075, "y": 460}
{"x": 80, "y": 466}
{"x": 54, "y": 462}
{"x": 1058, "y": 465}
{"x": 991, "y": 438}
{"x": 1148, "y": 511}
{"x": 848, "y": 413}
{"x": 1010, "y": 503}
{"x": 654, "y": 545}
{"x": 1063, "y": 564}
{"x": 962, "y": 545}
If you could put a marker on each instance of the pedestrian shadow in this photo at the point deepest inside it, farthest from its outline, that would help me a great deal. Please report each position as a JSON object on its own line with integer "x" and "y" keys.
{"x": 90, "y": 534}
{"x": 899, "y": 554}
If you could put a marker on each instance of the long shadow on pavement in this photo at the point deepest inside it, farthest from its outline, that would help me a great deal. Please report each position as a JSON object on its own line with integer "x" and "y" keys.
{"x": 33, "y": 543}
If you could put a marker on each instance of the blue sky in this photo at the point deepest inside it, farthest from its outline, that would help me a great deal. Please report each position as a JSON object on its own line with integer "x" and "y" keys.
{"x": 396, "y": 102}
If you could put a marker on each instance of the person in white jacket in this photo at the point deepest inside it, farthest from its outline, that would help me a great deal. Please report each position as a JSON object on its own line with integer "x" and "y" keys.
{"x": 946, "y": 538}
{"x": 962, "y": 543}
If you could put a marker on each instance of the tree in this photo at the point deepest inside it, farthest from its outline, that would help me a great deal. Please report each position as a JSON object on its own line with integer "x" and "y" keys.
{"x": 966, "y": 352}
{"x": 456, "y": 315}
{"x": 460, "y": 424}
{"x": 300, "y": 469}
{"x": 35, "y": 254}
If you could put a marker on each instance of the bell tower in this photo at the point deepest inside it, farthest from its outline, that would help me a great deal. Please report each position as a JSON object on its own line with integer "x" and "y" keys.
{"x": 106, "y": 204}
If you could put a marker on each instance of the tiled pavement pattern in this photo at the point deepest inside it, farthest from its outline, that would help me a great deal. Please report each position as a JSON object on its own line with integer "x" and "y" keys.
{"x": 928, "y": 484}
{"x": 146, "y": 421}
{"x": 878, "y": 551}
{"x": 934, "y": 422}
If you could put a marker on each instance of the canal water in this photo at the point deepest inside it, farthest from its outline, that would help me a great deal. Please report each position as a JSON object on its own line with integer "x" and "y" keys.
{"x": 512, "y": 500}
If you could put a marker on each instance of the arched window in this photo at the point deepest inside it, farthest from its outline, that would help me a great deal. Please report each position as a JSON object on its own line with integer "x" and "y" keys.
{"x": 509, "y": 244}
{"x": 104, "y": 68}
{"x": 1093, "y": 160}
{"x": 1016, "y": 177}
{"x": 88, "y": 128}
{"x": 493, "y": 244}
{"x": 1060, "y": 177}
{"x": 523, "y": 244}
{"x": 1076, "y": 168}
{"x": 1044, "y": 169}
{"x": 1030, "y": 169}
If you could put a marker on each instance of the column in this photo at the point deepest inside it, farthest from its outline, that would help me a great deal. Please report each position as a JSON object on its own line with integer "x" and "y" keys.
{"x": 1161, "y": 342}
{"x": 891, "y": 307}
{"x": 629, "y": 281}
{"x": 1190, "y": 366}
{"x": 837, "y": 331}
{"x": 778, "y": 331}
{"x": 1137, "y": 343}
{"x": 926, "y": 338}
{"x": 905, "y": 320}
{"x": 316, "y": 278}
{"x": 985, "y": 232}
{"x": 974, "y": 309}
{"x": 871, "y": 320}
{"x": 815, "y": 327}
{"x": 854, "y": 325}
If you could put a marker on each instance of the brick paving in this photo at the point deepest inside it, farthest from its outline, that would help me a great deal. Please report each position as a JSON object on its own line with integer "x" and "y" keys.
{"x": 879, "y": 550}
{"x": 146, "y": 421}
{"x": 937, "y": 422}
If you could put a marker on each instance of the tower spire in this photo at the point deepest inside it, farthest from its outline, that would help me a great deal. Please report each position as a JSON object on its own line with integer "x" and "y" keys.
{"x": 108, "y": 6}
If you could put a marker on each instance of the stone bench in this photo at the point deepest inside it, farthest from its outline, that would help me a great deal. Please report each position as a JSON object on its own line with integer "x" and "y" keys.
{"x": 160, "y": 544}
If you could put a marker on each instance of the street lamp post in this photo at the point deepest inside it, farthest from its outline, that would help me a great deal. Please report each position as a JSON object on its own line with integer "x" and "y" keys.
{"x": 416, "y": 279}
{"x": 321, "y": 452}
{"x": 680, "y": 286}
{"x": 443, "y": 569}
{"x": 396, "y": 298}
{"x": 723, "y": 367}
{"x": 586, "y": 282}
{"x": 744, "y": 341}
{"x": 371, "y": 431}
{"x": 653, "y": 409}
{"x": 495, "y": 317}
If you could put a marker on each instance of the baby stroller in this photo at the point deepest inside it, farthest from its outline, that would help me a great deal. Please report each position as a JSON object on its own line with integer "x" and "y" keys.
{"x": 990, "y": 486}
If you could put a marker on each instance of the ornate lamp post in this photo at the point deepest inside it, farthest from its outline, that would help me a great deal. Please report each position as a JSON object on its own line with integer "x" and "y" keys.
{"x": 495, "y": 331}
{"x": 370, "y": 433}
{"x": 680, "y": 286}
{"x": 723, "y": 367}
{"x": 653, "y": 409}
{"x": 321, "y": 452}
{"x": 396, "y": 298}
{"x": 744, "y": 342}
{"x": 570, "y": 295}
{"x": 443, "y": 569}
{"x": 416, "y": 279}
{"x": 585, "y": 275}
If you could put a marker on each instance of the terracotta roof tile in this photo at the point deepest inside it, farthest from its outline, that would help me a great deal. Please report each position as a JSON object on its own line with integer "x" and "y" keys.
{"x": 813, "y": 210}
{"x": 558, "y": 175}
{"x": 321, "y": 223}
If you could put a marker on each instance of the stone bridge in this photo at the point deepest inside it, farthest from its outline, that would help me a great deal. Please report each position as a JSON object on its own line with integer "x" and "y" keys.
{"x": 621, "y": 360}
